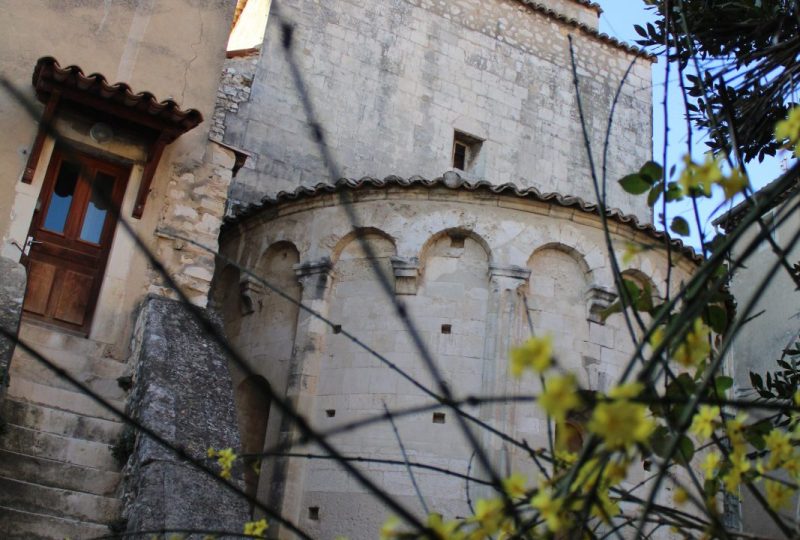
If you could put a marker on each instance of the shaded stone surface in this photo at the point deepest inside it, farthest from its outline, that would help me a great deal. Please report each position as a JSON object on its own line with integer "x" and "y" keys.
{"x": 12, "y": 292}
{"x": 182, "y": 390}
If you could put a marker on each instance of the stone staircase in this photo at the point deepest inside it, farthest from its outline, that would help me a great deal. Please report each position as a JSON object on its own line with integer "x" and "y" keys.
{"x": 58, "y": 478}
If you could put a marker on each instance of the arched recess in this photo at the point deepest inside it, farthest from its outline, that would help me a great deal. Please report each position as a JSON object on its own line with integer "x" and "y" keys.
{"x": 451, "y": 305}
{"x": 351, "y": 245}
{"x": 353, "y": 382}
{"x": 456, "y": 237}
{"x": 225, "y": 299}
{"x": 252, "y": 411}
{"x": 272, "y": 329}
{"x": 557, "y": 299}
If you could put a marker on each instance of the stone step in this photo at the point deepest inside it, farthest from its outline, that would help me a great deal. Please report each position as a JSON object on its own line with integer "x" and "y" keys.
{"x": 52, "y": 473}
{"x": 99, "y": 374}
{"x": 58, "y": 422}
{"x": 36, "y": 336}
{"x": 19, "y": 525}
{"x": 61, "y": 503}
{"x": 49, "y": 446}
{"x": 23, "y": 389}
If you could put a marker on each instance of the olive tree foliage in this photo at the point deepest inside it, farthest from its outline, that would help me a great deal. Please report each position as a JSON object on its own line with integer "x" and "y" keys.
{"x": 741, "y": 57}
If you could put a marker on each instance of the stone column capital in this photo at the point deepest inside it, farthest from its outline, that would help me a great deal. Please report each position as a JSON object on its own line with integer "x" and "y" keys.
{"x": 511, "y": 273}
{"x": 598, "y": 298}
{"x": 314, "y": 276}
{"x": 406, "y": 272}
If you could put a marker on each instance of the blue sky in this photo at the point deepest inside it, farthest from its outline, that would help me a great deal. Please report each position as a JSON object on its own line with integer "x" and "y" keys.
{"x": 617, "y": 20}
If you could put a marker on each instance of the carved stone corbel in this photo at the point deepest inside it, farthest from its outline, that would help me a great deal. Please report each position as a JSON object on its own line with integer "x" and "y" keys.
{"x": 314, "y": 277}
{"x": 406, "y": 274}
{"x": 251, "y": 293}
{"x": 598, "y": 299}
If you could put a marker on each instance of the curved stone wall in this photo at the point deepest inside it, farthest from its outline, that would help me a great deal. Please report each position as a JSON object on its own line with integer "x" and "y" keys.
{"x": 477, "y": 271}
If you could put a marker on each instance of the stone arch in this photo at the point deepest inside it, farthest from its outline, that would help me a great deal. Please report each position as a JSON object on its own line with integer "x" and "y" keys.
{"x": 350, "y": 243}
{"x": 457, "y": 235}
{"x": 252, "y": 411}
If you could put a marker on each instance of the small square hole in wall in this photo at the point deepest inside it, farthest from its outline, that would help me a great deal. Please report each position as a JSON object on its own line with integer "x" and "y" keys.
{"x": 457, "y": 241}
{"x": 466, "y": 150}
{"x": 447, "y": 329}
{"x": 313, "y": 513}
{"x": 330, "y": 413}
{"x": 438, "y": 418}
{"x": 337, "y": 328}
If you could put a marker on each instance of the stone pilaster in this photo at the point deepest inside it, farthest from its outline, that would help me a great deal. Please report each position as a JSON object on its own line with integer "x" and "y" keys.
{"x": 288, "y": 475}
{"x": 505, "y": 313}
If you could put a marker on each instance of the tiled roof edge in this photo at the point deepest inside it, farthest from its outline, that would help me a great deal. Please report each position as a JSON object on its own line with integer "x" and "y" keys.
{"x": 605, "y": 38}
{"x": 454, "y": 181}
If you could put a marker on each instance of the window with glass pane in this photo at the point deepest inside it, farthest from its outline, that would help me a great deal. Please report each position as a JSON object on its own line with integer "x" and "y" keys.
{"x": 97, "y": 210}
{"x": 61, "y": 200}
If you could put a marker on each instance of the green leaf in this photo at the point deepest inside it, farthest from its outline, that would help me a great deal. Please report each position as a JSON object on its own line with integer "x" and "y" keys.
{"x": 635, "y": 184}
{"x": 679, "y": 226}
{"x": 685, "y": 451}
{"x": 659, "y": 441}
{"x": 652, "y": 171}
{"x": 756, "y": 381}
{"x": 674, "y": 192}
{"x": 717, "y": 318}
{"x": 721, "y": 385}
{"x": 654, "y": 194}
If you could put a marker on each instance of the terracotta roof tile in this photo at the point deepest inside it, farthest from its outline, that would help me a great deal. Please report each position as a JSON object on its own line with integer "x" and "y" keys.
{"x": 49, "y": 76}
{"x": 452, "y": 180}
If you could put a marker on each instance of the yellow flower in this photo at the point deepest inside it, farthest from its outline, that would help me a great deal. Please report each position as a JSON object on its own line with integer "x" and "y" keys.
{"x": 489, "y": 513}
{"x": 632, "y": 249}
{"x": 780, "y": 446}
{"x": 605, "y": 507}
{"x": 739, "y": 465}
{"x": 550, "y": 509}
{"x": 621, "y": 423}
{"x": 514, "y": 485}
{"x": 391, "y": 529}
{"x": 680, "y": 496}
{"x": 536, "y": 354}
{"x": 560, "y": 396}
{"x": 711, "y": 464}
{"x": 225, "y": 459}
{"x": 698, "y": 178}
{"x": 704, "y": 421}
{"x": 443, "y": 530}
{"x": 735, "y": 430}
{"x": 789, "y": 130}
{"x": 626, "y": 391}
{"x": 696, "y": 347}
{"x": 657, "y": 337}
{"x": 778, "y": 495}
{"x": 256, "y": 528}
{"x": 616, "y": 472}
{"x": 735, "y": 183}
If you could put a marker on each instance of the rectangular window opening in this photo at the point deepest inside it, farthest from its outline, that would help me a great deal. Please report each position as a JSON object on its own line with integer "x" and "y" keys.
{"x": 330, "y": 413}
{"x": 446, "y": 328}
{"x": 313, "y": 513}
{"x": 466, "y": 150}
{"x": 438, "y": 418}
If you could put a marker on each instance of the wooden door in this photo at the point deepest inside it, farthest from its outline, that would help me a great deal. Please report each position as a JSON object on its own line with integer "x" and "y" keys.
{"x": 70, "y": 238}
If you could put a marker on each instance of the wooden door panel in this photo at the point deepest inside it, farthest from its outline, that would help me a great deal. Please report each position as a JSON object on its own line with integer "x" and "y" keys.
{"x": 40, "y": 281}
{"x": 69, "y": 249}
{"x": 74, "y": 293}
